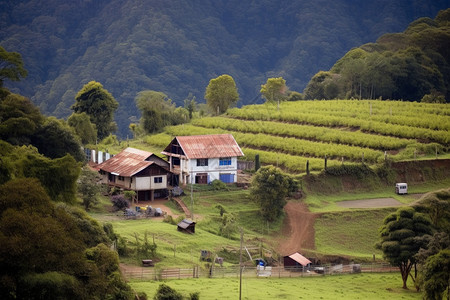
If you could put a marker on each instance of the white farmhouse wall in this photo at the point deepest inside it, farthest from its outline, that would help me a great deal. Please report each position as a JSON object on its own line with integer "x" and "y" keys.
{"x": 148, "y": 183}
{"x": 142, "y": 183}
{"x": 213, "y": 169}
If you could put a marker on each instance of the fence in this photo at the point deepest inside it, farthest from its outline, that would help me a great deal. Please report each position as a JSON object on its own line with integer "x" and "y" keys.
{"x": 233, "y": 271}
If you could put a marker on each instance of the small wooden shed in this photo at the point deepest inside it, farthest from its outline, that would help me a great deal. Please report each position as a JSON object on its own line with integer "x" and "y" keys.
{"x": 186, "y": 226}
{"x": 296, "y": 260}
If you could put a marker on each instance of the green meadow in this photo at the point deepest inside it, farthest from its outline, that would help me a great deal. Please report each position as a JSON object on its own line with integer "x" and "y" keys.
{"x": 359, "y": 286}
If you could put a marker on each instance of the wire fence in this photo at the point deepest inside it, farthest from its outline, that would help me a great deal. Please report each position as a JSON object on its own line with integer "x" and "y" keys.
{"x": 151, "y": 273}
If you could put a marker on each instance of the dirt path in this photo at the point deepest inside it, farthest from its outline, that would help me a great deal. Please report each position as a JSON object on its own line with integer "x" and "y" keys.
{"x": 370, "y": 203}
{"x": 298, "y": 229}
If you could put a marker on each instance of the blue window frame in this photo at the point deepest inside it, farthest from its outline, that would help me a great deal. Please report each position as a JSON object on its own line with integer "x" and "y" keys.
{"x": 225, "y": 161}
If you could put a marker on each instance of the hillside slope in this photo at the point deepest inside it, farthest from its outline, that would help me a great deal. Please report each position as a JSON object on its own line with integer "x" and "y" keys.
{"x": 176, "y": 48}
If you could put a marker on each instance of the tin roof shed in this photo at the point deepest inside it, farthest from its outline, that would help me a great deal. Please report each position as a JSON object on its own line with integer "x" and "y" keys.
{"x": 295, "y": 260}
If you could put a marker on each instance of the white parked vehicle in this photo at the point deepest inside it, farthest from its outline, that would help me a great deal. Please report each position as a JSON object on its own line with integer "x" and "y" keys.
{"x": 401, "y": 188}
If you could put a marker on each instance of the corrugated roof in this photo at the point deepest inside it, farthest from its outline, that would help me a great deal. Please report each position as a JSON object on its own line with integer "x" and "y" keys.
{"x": 127, "y": 163}
{"x": 185, "y": 223}
{"x": 208, "y": 146}
{"x": 300, "y": 259}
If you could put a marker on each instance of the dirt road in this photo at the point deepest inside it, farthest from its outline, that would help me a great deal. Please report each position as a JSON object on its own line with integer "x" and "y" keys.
{"x": 298, "y": 229}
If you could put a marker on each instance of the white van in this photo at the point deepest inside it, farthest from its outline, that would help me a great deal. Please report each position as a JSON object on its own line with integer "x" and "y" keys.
{"x": 401, "y": 188}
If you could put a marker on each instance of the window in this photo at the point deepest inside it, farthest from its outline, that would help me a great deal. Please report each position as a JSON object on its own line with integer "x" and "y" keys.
{"x": 225, "y": 161}
{"x": 121, "y": 178}
{"x": 157, "y": 180}
{"x": 202, "y": 162}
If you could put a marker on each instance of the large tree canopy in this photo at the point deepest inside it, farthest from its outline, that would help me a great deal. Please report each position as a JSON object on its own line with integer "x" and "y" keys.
{"x": 221, "y": 93}
{"x": 158, "y": 111}
{"x": 99, "y": 105}
{"x": 50, "y": 251}
{"x": 11, "y": 66}
{"x": 269, "y": 190}
{"x": 401, "y": 238}
{"x": 407, "y": 65}
{"x": 274, "y": 90}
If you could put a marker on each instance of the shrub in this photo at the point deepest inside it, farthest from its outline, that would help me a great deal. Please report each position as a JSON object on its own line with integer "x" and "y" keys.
{"x": 119, "y": 202}
{"x": 165, "y": 292}
{"x": 218, "y": 185}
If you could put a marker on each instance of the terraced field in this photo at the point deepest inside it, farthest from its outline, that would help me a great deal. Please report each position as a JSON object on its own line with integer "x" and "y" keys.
{"x": 342, "y": 131}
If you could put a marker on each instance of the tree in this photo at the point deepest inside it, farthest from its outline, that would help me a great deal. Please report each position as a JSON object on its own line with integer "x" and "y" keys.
{"x": 190, "y": 104}
{"x": 88, "y": 187}
{"x": 269, "y": 189}
{"x": 157, "y": 110}
{"x": 83, "y": 128}
{"x": 11, "y": 66}
{"x": 433, "y": 97}
{"x": 274, "y": 90}
{"x": 99, "y": 105}
{"x": 437, "y": 275}
{"x": 55, "y": 139}
{"x": 221, "y": 93}
{"x": 402, "y": 235}
{"x": 19, "y": 119}
{"x": 45, "y": 249}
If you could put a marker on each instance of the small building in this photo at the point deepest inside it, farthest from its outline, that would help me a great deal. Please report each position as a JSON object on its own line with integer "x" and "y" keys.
{"x": 186, "y": 226}
{"x": 296, "y": 260}
{"x": 201, "y": 159}
{"x": 136, "y": 170}
{"x": 401, "y": 188}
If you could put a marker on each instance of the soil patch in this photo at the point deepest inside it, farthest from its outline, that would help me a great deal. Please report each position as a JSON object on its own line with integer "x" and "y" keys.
{"x": 370, "y": 203}
{"x": 158, "y": 203}
{"x": 298, "y": 229}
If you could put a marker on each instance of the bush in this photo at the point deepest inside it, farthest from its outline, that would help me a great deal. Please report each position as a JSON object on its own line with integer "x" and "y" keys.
{"x": 218, "y": 185}
{"x": 165, "y": 292}
{"x": 119, "y": 202}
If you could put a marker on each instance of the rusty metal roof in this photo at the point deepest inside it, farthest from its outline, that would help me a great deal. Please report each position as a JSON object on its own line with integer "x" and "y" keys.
{"x": 127, "y": 163}
{"x": 207, "y": 146}
{"x": 300, "y": 259}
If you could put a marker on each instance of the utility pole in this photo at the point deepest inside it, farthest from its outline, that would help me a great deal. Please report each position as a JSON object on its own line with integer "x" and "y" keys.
{"x": 240, "y": 266}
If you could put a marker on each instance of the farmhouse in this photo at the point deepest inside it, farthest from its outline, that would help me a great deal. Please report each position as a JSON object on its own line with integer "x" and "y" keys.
{"x": 136, "y": 170}
{"x": 203, "y": 158}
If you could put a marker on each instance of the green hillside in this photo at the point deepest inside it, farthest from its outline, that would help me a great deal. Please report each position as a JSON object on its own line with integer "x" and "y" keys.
{"x": 131, "y": 46}
{"x": 344, "y": 131}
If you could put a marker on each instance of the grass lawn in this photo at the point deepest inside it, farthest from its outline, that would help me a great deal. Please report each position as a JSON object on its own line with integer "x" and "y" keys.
{"x": 327, "y": 203}
{"x": 350, "y": 233}
{"x": 355, "y": 286}
{"x": 174, "y": 248}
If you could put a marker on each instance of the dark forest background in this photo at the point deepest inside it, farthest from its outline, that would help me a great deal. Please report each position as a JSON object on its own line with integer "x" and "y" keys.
{"x": 176, "y": 47}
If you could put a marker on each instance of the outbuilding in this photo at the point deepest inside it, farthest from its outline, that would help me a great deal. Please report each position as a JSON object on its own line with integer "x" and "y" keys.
{"x": 186, "y": 226}
{"x": 296, "y": 260}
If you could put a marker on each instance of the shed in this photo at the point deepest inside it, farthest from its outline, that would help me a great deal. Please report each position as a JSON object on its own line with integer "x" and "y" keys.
{"x": 296, "y": 260}
{"x": 186, "y": 226}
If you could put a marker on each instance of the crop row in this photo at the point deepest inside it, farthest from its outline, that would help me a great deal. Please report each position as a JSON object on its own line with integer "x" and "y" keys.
{"x": 374, "y": 107}
{"x": 284, "y": 115}
{"x": 285, "y": 161}
{"x": 323, "y": 134}
{"x": 288, "y": 162}
{"x": 286, "y": 145}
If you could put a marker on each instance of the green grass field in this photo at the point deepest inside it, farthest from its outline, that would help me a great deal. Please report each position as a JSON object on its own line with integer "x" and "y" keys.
{"x": 360, "y": 286}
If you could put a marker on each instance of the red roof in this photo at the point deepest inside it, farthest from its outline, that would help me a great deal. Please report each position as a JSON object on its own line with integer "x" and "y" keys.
{"x": 207, "y": 146}
{"x": 300, "y": 259}
{"x": 127, "y": 163}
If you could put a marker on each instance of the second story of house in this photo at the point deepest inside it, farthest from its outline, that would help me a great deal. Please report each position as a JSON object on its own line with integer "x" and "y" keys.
{"x": 203, "y": 153}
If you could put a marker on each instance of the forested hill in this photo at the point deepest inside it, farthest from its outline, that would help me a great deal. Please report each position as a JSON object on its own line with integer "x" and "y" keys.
{"x": 176, "y": 47}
